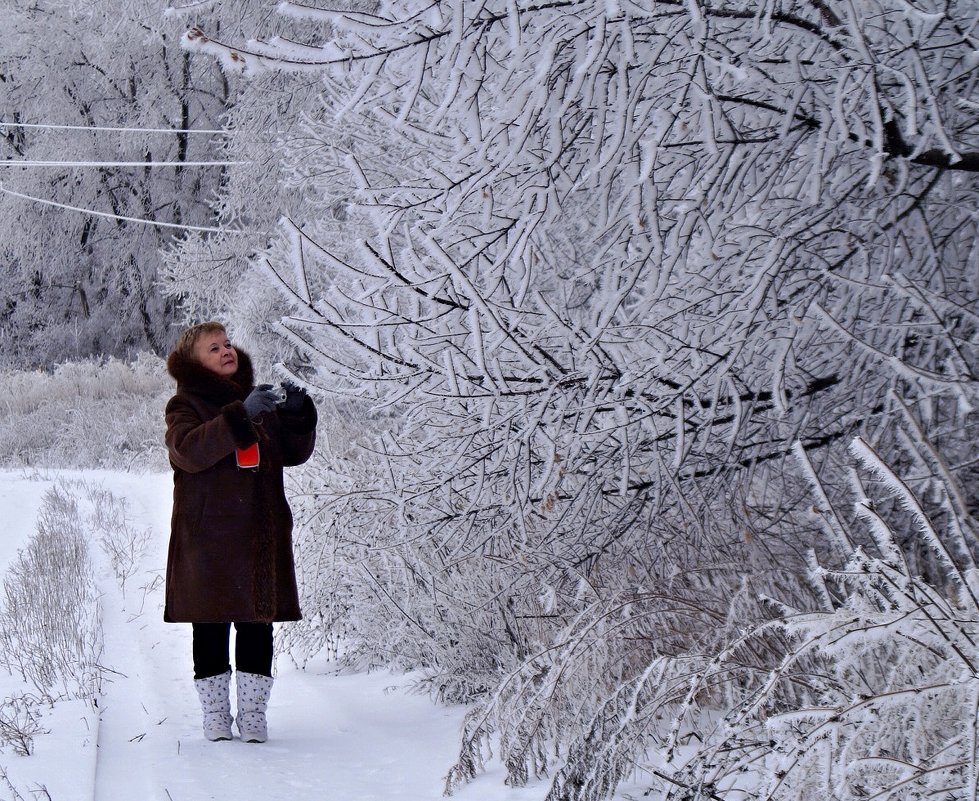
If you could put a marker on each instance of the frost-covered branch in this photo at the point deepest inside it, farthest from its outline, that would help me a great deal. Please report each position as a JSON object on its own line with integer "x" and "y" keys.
{"x": 596, "y": 268}
{"x": 891, "y": 709}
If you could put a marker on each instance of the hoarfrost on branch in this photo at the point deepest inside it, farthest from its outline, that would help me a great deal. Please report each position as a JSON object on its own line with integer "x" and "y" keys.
{"x": 604, "y": 268}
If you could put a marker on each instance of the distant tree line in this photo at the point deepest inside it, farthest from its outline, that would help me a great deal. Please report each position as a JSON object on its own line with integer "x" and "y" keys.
{"x": 85, "y": 91}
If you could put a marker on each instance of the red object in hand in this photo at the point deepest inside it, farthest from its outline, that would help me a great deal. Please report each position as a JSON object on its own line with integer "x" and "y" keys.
{"x": 247, "y": 457}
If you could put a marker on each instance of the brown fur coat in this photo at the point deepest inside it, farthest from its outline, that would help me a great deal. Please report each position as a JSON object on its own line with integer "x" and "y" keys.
{"x": 230, "y": 555}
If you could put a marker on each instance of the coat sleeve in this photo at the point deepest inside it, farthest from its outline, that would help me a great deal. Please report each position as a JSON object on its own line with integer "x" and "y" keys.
{"x": 195, "y": 444}
{"x": 298, "y": 431}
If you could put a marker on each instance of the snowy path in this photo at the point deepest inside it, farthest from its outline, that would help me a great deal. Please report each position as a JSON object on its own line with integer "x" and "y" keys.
{"x": 342, "y": 738}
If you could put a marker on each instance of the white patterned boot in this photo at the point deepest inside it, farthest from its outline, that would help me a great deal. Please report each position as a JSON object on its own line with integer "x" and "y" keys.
{"x": 216, "y": 706}
{"x": 253, "y": 699}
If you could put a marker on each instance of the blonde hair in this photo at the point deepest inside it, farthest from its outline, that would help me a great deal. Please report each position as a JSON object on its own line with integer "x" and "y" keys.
{"x": 187, "y": 340}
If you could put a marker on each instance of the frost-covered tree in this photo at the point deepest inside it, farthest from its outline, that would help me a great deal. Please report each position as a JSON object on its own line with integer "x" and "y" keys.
{"x": 603, "y": 263}
{"x": 95, "y": 103}
{"x": 210, "y": 272}
{"x": 876, "y": 694}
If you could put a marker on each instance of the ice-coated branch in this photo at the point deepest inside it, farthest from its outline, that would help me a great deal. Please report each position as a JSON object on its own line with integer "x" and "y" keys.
{"x": 617, "y": 281}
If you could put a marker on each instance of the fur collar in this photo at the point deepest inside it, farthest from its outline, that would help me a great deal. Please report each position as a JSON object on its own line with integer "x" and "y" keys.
{"x": 192, "y": 376}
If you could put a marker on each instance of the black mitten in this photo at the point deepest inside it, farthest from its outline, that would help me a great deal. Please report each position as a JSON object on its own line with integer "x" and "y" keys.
{"x": 295, "y": 397}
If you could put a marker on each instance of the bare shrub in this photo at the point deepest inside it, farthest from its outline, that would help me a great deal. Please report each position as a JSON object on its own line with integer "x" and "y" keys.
{"x": 38, "y": 792}
{"x": 50, "y": 627}
{"x": 123, "y": 544}
{"x": 20, "y": 723}
{"x": 58, "y": 418}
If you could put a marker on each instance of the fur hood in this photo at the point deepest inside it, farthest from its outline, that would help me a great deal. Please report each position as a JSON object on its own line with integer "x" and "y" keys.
{"x": 192, "y": 376}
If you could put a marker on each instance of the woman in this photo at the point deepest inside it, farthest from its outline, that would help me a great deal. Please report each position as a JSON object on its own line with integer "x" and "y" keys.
{"x": 230, "y": 556}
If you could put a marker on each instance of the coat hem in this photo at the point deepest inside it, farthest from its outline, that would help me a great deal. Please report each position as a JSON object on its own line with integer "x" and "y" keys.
{"x": 290, "y": 618}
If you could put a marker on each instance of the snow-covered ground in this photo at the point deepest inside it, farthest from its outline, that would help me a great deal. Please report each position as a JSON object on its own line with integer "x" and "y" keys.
{"x": 343, "y": 738}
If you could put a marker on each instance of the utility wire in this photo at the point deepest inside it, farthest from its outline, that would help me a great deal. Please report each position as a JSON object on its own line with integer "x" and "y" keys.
{"x": 107, "y": 128}
{"x": 142, "y": 220}
{"x": 32, "y": 163}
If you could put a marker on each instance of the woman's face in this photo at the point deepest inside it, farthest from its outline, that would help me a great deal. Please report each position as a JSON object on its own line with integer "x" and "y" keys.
{"x": 214, "y": 351}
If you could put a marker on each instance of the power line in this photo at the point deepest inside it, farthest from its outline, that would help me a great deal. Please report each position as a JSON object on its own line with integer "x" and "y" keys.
{"x": 32, "y": 163}
{"x": 108, "y": 128}
{"x": 142, "y": 220}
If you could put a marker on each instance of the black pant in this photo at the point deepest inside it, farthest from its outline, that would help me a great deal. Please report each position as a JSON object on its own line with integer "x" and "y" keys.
{"x": 253, "y": 648}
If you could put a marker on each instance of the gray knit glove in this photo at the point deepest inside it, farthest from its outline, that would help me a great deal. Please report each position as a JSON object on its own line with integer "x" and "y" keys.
{"x": 260, "y": 400}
